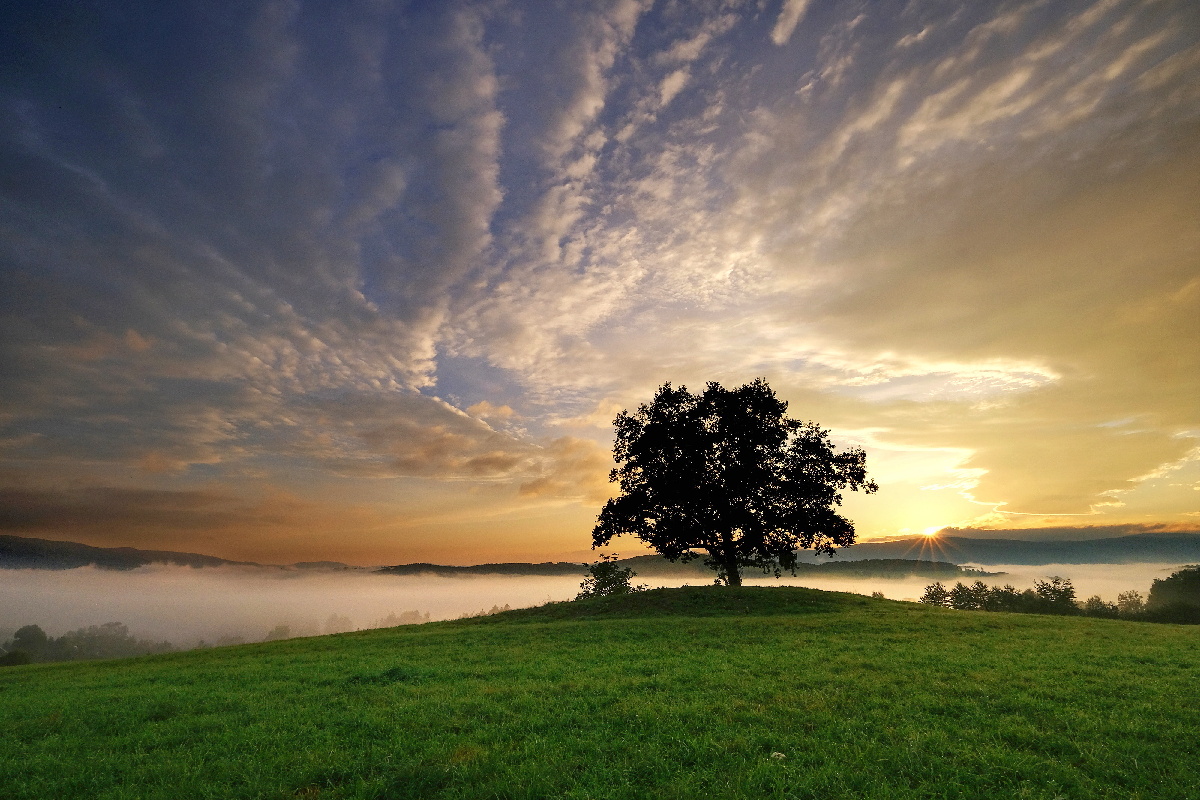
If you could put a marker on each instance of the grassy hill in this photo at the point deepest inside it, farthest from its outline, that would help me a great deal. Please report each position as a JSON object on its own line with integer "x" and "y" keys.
{"x": 675, "y": 693}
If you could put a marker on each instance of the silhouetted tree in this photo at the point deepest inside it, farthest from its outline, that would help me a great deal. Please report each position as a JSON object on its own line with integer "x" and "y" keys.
{"x": 1004, "y": 598}
{"x": 936, "y": 595}
{"x": 607, "y": 577}
{"x": 1175, "y": 598}
{"x": 1130, "y": 604}
{"x": 1181, "y": 587}
{"x": 110, "y": 640}
{"x": 1096, "y": 606}
{"x": 969, "y": 598}
{"x": 32, "y": 640}
{"x": 1056, "y": 596}
{"x": 728, "y": 472}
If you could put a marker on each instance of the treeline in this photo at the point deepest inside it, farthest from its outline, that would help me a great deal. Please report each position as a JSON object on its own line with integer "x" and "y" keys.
{"x": 31, "y": 645}
{"x": 336, "y": 623}
{"x": 111, "y": 640}
{"x": 485, "y": 612}
{"x": 1172, "y": 599}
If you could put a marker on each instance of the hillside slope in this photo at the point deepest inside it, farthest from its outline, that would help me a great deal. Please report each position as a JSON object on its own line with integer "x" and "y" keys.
{"x": 679, "y": 693}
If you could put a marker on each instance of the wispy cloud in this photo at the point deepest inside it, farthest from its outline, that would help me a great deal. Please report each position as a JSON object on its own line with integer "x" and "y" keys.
{"x": 790, "y": 16}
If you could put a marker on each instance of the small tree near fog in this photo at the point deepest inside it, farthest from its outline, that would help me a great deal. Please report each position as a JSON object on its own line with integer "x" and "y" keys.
{"x": 969, "y": 598}
{"x": 1056, "y": 596}
{"x": 607, "y": 577}
{"x": 936, "y": 595}
{"x": 1130, "y": 603}
{"x": 1096, "y": 606}
{"x": 1181, "y": 588}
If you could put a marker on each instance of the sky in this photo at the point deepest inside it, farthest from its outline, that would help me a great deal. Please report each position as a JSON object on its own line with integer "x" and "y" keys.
{"x": 369, "y": 281}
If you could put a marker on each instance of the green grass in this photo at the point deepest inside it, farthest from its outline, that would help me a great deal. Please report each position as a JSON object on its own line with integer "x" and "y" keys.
{"x": 673, "y": 693}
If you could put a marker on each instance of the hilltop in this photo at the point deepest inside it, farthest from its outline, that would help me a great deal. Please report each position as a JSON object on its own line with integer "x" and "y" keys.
{"x": 673, "y": 693}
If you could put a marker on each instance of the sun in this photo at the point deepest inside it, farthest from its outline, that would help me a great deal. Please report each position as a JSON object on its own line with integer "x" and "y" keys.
{"x": 931, "y": 532}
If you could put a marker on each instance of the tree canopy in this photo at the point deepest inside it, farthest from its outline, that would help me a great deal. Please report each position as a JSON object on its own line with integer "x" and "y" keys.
{"x": 728, "y": 472}
{"x": 1182, "y": 588}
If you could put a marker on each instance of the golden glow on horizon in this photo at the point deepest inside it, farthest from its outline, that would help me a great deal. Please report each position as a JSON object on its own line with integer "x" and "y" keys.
{"x": 932, "y": 531}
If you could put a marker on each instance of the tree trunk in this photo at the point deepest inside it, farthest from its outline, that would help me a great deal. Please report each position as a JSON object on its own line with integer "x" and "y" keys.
{"x": 729, "y": 560}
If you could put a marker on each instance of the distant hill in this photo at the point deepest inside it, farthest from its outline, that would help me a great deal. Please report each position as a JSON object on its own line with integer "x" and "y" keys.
{"x": 657, "y": 566}
{"x": 860, "y": 568}
{"x": 937, "y": 557}
{"x": 19, "y": 552}
{"x": 511, "y": 568}
{"x": 1178, "y": 548}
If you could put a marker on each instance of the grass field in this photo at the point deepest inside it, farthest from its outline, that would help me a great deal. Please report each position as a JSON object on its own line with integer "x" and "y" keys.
{"x": 674, "y": 693}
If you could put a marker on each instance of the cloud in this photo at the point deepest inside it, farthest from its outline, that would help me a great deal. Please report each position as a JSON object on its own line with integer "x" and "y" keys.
{"x": 572, "y": 468}
{"x": 486, "y": 410}
{"x": 790, "y": 16}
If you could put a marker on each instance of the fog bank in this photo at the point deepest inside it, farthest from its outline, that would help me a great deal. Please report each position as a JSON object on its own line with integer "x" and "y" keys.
{"x": 184, "y": 605}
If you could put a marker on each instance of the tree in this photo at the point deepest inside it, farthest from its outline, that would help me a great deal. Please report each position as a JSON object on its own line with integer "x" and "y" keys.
{"x": 970, "y": 598}
{"x": 1130, "y": 603}
{"x": 1180, "y": 588}
{"x": 1056, "y": 596}
{"x": 607, "y": 577}
{"x": 1004, "y": 598}
{"x": 1176, "y": 598}
{"x": 936, "y": 595}
{"x": 30, "y": 639}
{"x": 1096, "y": 606}
{"x": 728, "y": 472}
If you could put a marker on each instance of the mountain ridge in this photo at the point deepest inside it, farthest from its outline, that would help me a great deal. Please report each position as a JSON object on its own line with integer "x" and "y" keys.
{"x": 19, "y": 552}
{"x": 1139, "y": 548}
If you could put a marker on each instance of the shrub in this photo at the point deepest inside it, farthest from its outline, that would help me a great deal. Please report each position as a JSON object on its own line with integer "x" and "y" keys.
{"x": 15, "y": 658}
{"x": 607, "y": 577}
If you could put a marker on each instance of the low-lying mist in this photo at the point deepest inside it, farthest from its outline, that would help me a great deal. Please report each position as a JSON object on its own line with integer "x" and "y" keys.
{"x": 184, "y": 605}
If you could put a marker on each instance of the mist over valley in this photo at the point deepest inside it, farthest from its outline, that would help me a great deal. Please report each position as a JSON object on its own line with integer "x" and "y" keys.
{"x": 186, "y": 605}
